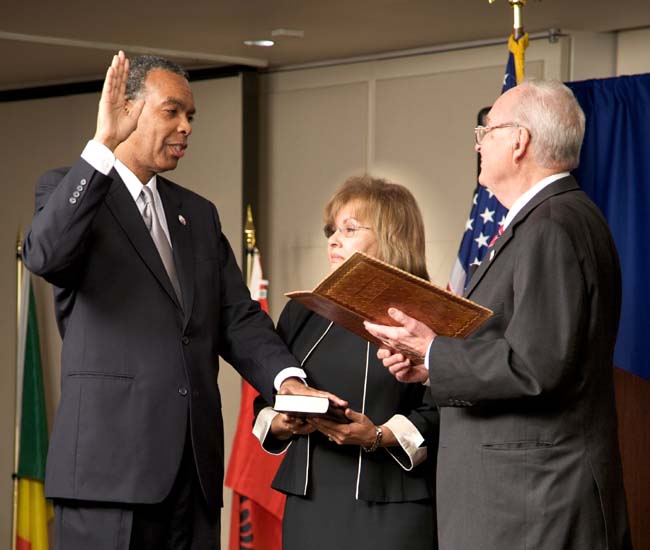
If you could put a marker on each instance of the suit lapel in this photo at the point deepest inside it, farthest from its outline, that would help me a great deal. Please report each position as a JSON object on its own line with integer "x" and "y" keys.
{"x": 180, "y": 231}
{"x": 123, "y": 207}
{"x": 557, "y": 187}
{"x": 482, "y": 269}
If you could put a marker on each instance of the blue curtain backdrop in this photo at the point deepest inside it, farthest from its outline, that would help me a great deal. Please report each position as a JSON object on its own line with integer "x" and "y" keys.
{"x": 615, "y": 172}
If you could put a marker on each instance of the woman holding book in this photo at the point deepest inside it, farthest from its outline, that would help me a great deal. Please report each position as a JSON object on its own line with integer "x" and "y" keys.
{"x": 367, "y": 482}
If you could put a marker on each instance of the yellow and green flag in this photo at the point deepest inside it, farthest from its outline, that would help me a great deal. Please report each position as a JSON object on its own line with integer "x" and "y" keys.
{"x": 32, "y": 511}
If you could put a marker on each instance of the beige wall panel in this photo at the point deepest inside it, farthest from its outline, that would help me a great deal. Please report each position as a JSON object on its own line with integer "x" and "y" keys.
{"x": 322, "y": 124}
{"x": 424, "y": 140}
{"x": 593, "y": 55}
{"x": 632, "y": 54}
{"x": 212, "y": 165}
{"x": 311, "y": 140}
{"x": 42, "y": 134}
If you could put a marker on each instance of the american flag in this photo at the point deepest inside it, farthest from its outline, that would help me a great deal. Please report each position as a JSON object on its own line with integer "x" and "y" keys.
{"x": 487, "y": 213}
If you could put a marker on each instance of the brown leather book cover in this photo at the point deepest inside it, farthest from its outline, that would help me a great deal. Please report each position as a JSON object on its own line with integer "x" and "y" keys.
{"x": 363, "y": 288}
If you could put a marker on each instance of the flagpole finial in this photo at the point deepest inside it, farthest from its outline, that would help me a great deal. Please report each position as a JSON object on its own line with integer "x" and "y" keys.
{"x": 19, "y": 245}
{"x": 518, "y": 25}
{"x": 249, "y": 229}
{"x": 249, "y": 233}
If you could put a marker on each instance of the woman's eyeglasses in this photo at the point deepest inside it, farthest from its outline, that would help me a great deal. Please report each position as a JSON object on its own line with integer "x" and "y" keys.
{"x": 347, "y": 231}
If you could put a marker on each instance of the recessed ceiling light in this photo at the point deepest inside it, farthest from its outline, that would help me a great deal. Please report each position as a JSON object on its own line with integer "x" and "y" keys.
{"x": 260, "y": 43}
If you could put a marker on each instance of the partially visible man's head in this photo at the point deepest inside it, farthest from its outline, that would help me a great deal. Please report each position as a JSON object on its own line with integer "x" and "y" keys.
{"x": 552, "y": 115}
{"x": 139, "y": 68}
{"x": 533, "y": 130}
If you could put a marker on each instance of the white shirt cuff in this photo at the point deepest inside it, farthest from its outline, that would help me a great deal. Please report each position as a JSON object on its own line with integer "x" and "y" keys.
{"x": 289, "y": 372}
{"x": 427, "y": 382}
{"x": 262, "y": 427}
{"x": 100, "y": 157}
{"x": 409, "y": 439}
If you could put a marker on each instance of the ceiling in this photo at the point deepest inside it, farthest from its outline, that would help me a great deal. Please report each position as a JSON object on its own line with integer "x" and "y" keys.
{"x": 45, "y": 42}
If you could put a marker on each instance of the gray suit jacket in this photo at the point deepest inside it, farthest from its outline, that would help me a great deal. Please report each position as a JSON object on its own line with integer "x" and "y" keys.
{"x": 528, "y": 454}
{"x": 136, "y": 368}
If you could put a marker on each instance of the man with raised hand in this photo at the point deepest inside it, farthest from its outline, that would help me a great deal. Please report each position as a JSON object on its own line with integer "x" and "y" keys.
{"x": 148, "y": 296}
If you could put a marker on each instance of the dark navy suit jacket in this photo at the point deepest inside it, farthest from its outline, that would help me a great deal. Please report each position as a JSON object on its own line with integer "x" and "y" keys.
{"x": 136, "y": 368}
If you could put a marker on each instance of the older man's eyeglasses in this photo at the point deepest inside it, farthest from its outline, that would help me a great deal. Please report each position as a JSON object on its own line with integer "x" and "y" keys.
{"x": 347, "y": 231}
{"x": 481, "y": 131}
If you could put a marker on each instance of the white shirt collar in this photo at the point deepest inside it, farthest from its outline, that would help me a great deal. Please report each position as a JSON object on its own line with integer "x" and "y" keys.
{"x": 133, "y": 184}
{"x": 524, "y": 199}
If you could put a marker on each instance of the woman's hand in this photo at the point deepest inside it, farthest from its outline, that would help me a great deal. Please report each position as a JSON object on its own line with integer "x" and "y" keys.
{"x": 360, "y": 431}
{"x": 285, "y": 426}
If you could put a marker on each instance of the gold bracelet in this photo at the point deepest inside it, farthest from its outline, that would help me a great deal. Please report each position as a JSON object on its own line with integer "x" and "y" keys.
{"x": 378, "y": 435}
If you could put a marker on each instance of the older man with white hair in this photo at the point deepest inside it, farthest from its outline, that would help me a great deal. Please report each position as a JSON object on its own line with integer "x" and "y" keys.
{"x": 528, "y": 454}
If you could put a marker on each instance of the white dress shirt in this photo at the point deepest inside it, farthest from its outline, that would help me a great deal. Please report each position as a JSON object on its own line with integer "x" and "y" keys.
{"x": 102, "y": 159}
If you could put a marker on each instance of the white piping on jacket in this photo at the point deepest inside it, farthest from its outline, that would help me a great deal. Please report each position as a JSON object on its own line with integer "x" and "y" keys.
{"x": 363, "y": 411}
{"x": 309, "y": 435}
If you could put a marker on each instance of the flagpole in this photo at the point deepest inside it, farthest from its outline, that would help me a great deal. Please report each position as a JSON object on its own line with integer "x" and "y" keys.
{"x": 518, "y": 25}
{"x": 249, "y": 234}
{"x": 19, "y": 290}
{"x": 516, "y": 46}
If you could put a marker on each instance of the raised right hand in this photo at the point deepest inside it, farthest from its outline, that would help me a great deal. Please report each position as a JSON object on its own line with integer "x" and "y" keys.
{"x": 117, "y": 117}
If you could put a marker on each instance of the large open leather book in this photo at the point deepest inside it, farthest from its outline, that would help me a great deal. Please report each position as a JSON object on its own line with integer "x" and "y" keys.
{"x": 363, "y": 288}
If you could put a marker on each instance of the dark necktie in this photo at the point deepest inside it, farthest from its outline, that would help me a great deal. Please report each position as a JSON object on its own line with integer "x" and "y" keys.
{"x": 160, "y": 239}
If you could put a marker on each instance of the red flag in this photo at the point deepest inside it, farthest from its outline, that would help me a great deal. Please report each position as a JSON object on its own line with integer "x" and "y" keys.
{"x": 256, "y": 522}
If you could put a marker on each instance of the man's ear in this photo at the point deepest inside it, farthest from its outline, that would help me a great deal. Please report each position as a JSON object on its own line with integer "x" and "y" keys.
{"x": 522, "y": 142}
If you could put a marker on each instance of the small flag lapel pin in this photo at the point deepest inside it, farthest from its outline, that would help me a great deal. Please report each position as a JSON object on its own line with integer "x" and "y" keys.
{"x": 182, "y": 219}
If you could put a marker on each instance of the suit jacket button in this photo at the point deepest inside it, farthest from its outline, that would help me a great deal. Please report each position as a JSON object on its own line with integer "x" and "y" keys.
{"x": 83, "y": 182}
{"x": 72, "y": 200}
{"x": 185, "y": 340}
{"x": 182, "y": 391}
